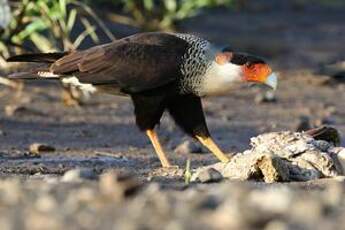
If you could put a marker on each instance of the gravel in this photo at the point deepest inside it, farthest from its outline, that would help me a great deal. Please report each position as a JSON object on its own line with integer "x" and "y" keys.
{"x": 104, "y": 204}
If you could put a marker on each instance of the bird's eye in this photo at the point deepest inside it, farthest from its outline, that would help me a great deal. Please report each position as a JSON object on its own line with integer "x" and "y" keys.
{"x": 250, "y": 65}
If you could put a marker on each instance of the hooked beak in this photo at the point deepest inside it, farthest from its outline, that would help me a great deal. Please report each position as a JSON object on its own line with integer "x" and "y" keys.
{"x": 272, "y": 81}
{"x": 260, "y": 73}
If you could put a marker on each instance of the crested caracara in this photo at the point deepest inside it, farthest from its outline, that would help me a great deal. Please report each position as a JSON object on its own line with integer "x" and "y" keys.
{"x": 159, "y": 71}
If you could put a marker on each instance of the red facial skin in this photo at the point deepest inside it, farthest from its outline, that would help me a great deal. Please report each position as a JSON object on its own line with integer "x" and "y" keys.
{"x": 256, "y": 72}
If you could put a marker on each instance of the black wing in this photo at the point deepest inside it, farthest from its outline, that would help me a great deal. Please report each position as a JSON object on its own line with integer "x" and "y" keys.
{"x": 136, "y": 63}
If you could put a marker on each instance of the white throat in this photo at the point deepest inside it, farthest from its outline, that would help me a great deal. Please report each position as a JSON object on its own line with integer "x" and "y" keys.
{"x": 220, "y": 79}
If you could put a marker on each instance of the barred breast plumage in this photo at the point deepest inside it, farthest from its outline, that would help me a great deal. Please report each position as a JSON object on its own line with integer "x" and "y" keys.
{"x": 195, "y": 63}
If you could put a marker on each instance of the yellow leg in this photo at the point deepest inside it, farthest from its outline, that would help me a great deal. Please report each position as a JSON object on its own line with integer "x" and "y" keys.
{"x": 158, "y": 148}
{"x": 209, "y": 143}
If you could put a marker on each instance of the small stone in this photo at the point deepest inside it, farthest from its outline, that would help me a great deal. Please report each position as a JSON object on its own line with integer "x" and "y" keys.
{"x": 11, "y": 191}
{"x": 210, "y": 175}
{"x": 39, "y": 221}
{"x": 46, "y": 203}
{"x": 275, "y": 200}
{"x": 51, "y": 179}
{"x": 6, "y": 223}
{"x": 333, "y": 194}
{"x": 273, "y": 169}
{"x": 276, "y": 225}
{"x": 322, "y": 145}
{"x": 341, "y": 158}
{"x": 303, "y": 124}
{"x": 37, "y": 148}
{"x": 336, "y": 150}
{"x": 118, "y": 185}
{"x": 306, "y": 210}
{"x": 78, "y": 175}
{"x": 339, "y": 178}
{"x": 188, "y": 147}
{"x": 328, "y": 121}
{"x": 266, "y": 97}
{"x": 21, "y": 109}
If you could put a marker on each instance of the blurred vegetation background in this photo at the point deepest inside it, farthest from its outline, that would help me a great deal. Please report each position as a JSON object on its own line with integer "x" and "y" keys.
{"x": 52, "y": 25}
{"x": 64, "y": 25}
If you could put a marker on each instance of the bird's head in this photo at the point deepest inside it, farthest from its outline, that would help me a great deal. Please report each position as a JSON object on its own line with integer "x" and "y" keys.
{"x": 233, "y": 68}
{"x": 252, "y": 68}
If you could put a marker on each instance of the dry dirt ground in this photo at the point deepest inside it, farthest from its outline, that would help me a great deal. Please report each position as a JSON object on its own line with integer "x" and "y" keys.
{"x": 101, "y": 135}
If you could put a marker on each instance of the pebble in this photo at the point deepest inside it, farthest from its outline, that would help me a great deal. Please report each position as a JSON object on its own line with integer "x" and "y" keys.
{"x": 272, "y": 200}
{"x": 339, "y": 178}
{"x": 78, "y": 175}
{"x": 6, "y": 224}
{"x": 118, "y": 185}
{"x": 210, "y": 175}
{"x": 46, "y": 203}
{"x": 276, "y": 225}
{"x": 322, "y": 145}
{"x": 266, "y": 97}
{"x": 11, "y": 191}
{"x": 187, "y": 147}
{"x": 334, "y": 191}
{"x": 306, "y": 210}
{"x": 37, "y": 148}
{"x": 336, "y": 150}
{"x": 341, "y": 156}
{"x": 303, "y": 124}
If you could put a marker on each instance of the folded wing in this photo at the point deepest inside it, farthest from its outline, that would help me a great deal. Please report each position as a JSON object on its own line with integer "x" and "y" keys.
{"x": 137, "y": 63}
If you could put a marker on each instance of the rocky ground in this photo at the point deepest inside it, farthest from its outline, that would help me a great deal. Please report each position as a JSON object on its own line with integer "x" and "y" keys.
{"x": 50, "y": 203}
{"x": 120, "y": 184}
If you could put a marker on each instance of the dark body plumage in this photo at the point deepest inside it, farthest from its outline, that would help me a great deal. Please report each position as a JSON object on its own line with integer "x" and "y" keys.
{"x": 134, "y": 64}
{"x": 148, "y": 68}
{"x": 152, "y": 68}
{"x": 185, "y": 109}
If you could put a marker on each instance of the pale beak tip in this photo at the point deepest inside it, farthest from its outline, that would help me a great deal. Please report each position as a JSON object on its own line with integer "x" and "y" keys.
{"x": 272, "y": 81}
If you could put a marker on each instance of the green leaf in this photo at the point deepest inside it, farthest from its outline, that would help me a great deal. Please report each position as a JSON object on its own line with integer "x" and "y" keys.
{"x": 148, "y": 4}
{"x": 35, "y": 26}
{"x": 83, "y": 35}
{"x": 171, "y": 5}
{"x": 71, "y": 19}
{"x": 63, "y": 7}
{"x": 90, "y": 30}
{"x": 187, "y": 172}
{"x": 42, "y": 43}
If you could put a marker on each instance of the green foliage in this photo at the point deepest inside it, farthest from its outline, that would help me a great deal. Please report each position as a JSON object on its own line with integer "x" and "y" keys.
{"x": 162, "y": 15}
{"x": 187, "y": 172}
{"x": 48, "y": 25}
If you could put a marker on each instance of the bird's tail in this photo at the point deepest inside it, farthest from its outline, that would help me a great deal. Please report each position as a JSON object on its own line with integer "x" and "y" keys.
{"x": 36, "y": 72}
{"x": 37, "y": 57}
